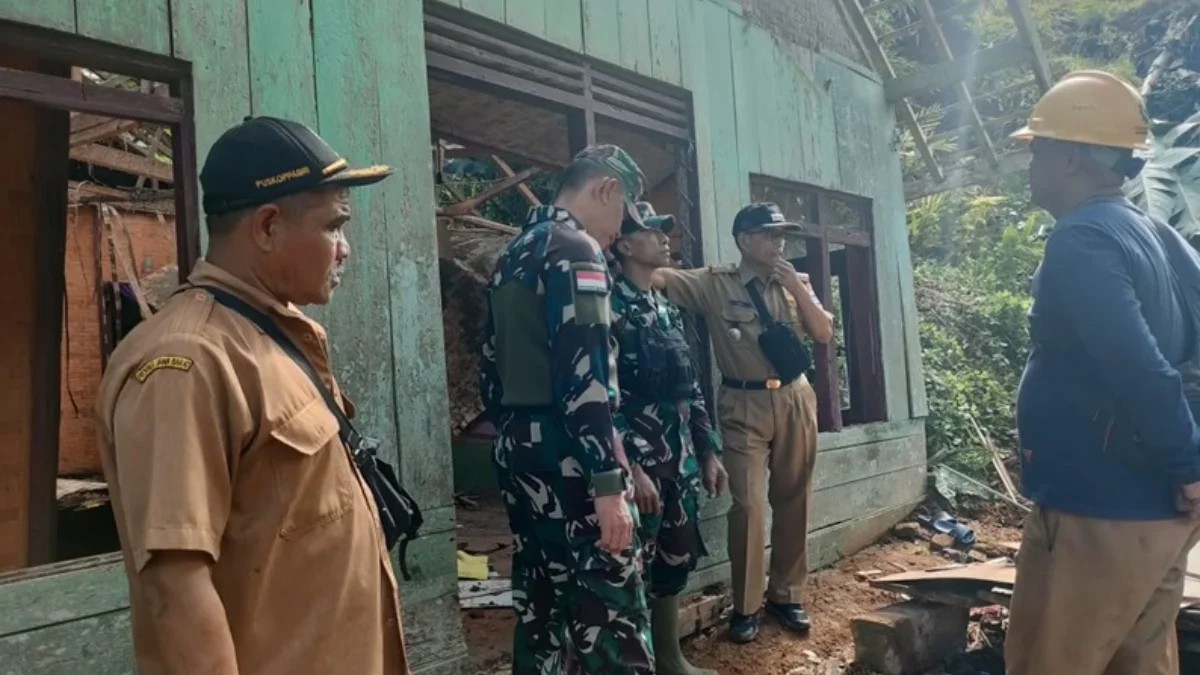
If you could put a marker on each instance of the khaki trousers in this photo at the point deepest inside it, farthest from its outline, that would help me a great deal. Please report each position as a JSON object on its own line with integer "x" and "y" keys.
{"x": 775, "y": 431}
{"x": 1097, "y": 597}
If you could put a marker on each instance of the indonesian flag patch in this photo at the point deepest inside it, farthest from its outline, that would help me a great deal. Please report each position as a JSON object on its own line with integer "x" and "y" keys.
{"x": 589, "y": 278}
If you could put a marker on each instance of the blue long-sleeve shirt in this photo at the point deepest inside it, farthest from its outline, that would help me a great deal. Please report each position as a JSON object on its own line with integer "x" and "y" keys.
{"x": 1106, "y": 326}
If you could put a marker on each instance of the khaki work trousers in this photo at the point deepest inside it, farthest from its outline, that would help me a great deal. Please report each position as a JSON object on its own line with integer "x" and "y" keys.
{"x": 1097, "y": 597}
{"x": 773, "y": 431}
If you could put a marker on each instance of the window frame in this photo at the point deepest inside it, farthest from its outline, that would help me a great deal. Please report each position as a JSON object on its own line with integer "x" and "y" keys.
{"x": 854, "y": 266}
{"x": 50, "y": 87}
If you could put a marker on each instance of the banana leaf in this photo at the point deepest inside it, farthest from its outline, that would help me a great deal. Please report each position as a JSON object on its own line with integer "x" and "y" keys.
{"x": 1168, "y": 188}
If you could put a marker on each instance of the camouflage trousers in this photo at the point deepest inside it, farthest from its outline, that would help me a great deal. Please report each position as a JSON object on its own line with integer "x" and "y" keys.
{"x": 671, "y": 538}
{"x": 579, "y": 608}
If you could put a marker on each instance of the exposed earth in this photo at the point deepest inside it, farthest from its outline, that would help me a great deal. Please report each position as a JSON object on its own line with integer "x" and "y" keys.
{"x": 835, "y": 595}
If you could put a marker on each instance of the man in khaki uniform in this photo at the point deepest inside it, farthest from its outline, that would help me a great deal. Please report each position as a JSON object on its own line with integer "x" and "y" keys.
{"x": 251, "y": 544}
{"x": 766, "y": 423}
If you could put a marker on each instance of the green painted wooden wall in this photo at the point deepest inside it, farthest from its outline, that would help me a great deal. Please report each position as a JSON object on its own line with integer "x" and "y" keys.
{"x": 356, "y": 70}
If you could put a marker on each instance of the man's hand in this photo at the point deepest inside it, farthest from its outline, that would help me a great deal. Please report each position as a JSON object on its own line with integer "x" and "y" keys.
{"x": 616, "y": 523}
{"x": 1188, "y": 500}
{"x": 792, "y": 281}
{"x": 715, "y": 476}
{"x": 645, "y": 494}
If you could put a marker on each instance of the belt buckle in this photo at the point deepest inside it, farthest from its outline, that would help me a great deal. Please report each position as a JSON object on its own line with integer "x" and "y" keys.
{"x": 774, "y": 383}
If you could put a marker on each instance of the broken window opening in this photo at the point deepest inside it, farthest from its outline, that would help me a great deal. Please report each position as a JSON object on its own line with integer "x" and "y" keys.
{"x": 98, "y": 235}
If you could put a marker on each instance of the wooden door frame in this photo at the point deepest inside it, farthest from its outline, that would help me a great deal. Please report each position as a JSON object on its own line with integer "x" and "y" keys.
{"x": 51, "y": 87}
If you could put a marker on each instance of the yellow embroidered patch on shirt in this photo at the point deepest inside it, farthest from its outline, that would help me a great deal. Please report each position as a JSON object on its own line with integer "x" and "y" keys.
{"x": 174, "y": 362}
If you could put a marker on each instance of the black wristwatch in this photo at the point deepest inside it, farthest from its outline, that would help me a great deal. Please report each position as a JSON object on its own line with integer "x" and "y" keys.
{"x": 609, "y": 483}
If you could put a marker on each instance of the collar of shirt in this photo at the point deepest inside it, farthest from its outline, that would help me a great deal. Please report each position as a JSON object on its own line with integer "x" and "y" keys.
{"x": 745, "y": 273}
{"x": 551, "y": 213}
{"x": 208, "y": 274}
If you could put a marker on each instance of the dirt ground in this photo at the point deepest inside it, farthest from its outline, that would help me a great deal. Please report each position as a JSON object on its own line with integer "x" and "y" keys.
{"x": 835, "y": 596}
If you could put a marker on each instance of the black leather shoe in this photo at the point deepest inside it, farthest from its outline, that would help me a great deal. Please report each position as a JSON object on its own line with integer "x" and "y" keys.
{"x": 792, "y": 616}
{"x": 742, "y": 628}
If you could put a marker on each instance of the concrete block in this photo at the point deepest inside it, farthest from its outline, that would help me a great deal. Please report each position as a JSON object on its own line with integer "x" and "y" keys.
{"x": 910, "y": 637}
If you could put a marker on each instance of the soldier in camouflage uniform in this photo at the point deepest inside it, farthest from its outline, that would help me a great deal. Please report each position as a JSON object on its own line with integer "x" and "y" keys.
{"x": 664, "y": 426}
{"x": 549, "y": 383}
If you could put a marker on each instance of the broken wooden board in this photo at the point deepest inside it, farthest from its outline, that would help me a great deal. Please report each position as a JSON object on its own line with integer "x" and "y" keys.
{"x": 982, "y": 583}
{"x": 487, "y": 594}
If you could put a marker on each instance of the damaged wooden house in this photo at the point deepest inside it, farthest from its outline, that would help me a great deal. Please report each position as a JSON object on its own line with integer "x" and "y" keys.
{"x": 107, "y": 110}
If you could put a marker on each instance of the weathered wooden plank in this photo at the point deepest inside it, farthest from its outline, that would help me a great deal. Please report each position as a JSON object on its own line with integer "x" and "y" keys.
{"x": 119, "y": 160}
{"x": 746, "y": 73}
{"x": 97, "y": 646}
{"x": 527, "y": 15}
{"x": 141, "y": 24}
{"x": 848, "y": 501}
{"x": 492, "y": 9}
{"x": 57, "y": 598}
{"x": 282, "y": 82}
{"x": 601, "y": 30}
{"x": 767, "y": 115}
{"x": 828, "y": 545}
{"x": 849, "y": 465}
{"x": 416, "y": 349}
{"x": 347, "y": 71}
{"x": 728, "y": 183}
{"x": 211, "y": 34}
{"x": 863, "y": 434}
{"x": 664, "y": 41}
{"x": 564, "y": 24}
{"x": 865, "y": 125}
{"x": 633, "y": 21}
{"x": 429, "y": 602}
{"x": 56, "y": 14}
{"x": 692, "y": 60}
{"x": 825, "y": 546}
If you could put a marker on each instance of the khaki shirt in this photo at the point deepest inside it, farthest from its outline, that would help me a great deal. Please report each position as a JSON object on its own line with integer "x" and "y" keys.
{"x": 719, "y": 294}
{"x": 214, "y": 441}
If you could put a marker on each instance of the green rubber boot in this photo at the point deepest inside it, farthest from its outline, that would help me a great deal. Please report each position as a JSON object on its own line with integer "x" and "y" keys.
{"x": 664, "y": 622}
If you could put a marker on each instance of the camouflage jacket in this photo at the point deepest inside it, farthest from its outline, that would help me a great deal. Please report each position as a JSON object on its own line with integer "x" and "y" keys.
{"x": 548, "y": 377}
{"x": 669, "y": 433}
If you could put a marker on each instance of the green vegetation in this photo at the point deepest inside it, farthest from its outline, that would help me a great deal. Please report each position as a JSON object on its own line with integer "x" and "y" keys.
{"x": 975, "y": 249}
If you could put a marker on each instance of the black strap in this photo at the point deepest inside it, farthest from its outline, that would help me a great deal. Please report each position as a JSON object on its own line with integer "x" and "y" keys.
{"x": 759, "y": 306}
{"x": 346, "y": 430}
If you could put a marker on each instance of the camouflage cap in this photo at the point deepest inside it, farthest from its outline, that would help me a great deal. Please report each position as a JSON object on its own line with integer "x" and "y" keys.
{"x": 623, "y": 167}
{"x": 650, "y": 221}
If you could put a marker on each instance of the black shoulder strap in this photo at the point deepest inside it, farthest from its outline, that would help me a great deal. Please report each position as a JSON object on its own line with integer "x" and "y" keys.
{"x": 346, "y": 430}
{"x": 759, "y": 305}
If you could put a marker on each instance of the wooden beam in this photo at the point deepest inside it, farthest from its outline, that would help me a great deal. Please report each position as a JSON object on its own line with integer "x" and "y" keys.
{"x": 988, "y": 124}
{"x": 939, "y": 40}
{"x": 465, "y": 207}
{"x": 903, "y": 108}
{"x": 100, "y": 132}
{"x": 928, "y": 20}
{"x": 65, "y": 94}
{"x": 967, "y": 176}
{"x": 937, "y": 76}
{"x": 1026, "y": 27}
{"x": 477, "y": 148}
{"x": 522, "y": 187}
{"x": 118, "y": 160}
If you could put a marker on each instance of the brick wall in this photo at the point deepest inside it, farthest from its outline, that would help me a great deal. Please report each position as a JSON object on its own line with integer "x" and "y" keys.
{"x": 153, "y": 247}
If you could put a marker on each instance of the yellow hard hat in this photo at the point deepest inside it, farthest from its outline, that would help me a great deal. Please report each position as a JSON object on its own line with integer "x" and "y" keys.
{"x": 1090, "y": 106}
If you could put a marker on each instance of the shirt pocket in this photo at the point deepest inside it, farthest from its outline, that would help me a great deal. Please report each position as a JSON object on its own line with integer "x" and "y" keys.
{"x": 741, "y": 326}
{"x": 313, "y": 479}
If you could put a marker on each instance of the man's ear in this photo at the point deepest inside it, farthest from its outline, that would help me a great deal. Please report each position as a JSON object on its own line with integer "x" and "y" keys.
{"x": 606, "y": 189}
{"x": 265, "y": 226}
{"x": 624, "y": 247}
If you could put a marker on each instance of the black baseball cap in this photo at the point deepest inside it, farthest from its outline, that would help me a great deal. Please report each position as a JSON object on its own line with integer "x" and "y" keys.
{"x": 762, "y": 216}
{"x": 266, "y": 158}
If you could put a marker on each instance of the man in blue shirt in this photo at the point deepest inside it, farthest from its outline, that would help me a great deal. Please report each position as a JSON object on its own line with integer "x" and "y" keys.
{"x": 1110, "y": 453}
